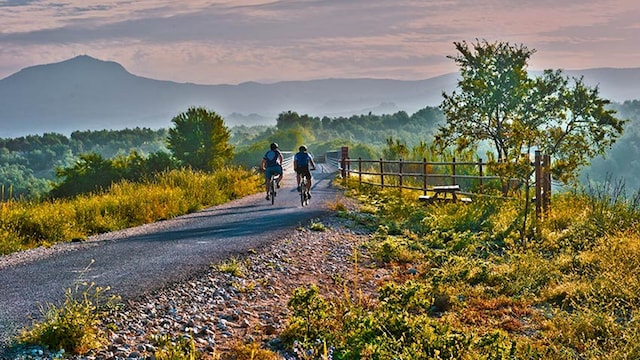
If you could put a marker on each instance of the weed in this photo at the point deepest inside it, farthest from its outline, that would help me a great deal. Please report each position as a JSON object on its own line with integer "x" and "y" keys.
{"x": 180, "y": 348}
{"x": 250, "y": 351}
{"x": 316, "y": 225}
{"x": 75, "y": 325}
{"x": 232, "y": 266}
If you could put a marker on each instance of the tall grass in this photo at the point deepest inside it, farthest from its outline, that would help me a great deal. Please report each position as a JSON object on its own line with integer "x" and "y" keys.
{"x": 28, "y": 224}
{"x": 475, "y": 293}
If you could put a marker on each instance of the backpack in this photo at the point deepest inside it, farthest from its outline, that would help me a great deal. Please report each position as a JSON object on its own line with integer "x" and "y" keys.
{"x": 302, "y": 159}
{"x": 272, "y": 158}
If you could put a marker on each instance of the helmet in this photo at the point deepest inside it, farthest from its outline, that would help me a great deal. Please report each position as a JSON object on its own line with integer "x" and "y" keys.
{"x": 274, "y": 146}
{"x": 302, "y": 148}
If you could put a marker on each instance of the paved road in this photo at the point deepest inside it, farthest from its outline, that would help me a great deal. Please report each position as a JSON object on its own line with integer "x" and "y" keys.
{"x": 144, "y": 258}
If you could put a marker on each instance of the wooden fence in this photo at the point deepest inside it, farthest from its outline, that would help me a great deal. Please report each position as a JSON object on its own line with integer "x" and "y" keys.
{"x": 416, "y": 175}
{"x": 473, "y": 178}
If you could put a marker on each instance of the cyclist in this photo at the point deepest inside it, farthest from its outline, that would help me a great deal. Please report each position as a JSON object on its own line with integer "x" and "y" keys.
{"x": 272, "y": 165}
{"x": 301, "y": 161}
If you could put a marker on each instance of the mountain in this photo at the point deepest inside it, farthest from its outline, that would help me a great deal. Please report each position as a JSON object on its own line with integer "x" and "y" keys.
{"x": 84, "y": 93}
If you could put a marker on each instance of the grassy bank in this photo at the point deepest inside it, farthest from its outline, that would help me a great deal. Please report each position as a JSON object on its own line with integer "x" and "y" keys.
{"x": 25, "y": 225}
{"x": 466, "y": 285}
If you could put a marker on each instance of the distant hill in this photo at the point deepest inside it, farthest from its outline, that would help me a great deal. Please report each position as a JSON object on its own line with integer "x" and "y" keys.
{"x": 84, "y": 93}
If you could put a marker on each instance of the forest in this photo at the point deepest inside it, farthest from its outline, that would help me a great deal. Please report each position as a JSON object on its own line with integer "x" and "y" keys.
{"x": 32, "y": 166}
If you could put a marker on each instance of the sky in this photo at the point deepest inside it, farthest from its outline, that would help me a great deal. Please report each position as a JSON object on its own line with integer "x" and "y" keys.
{"x": 235, "y": 41}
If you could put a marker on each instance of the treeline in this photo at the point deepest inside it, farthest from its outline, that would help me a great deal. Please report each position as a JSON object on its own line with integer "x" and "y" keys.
{"x": 37, "y": 165}
{"x": 56, "y": 165}
{"x": 367, "y": 136}
{"x": 622, "y": 162}
{"x": 29, "y": 165}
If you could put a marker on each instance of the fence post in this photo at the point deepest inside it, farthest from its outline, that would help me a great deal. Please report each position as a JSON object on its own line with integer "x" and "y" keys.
{"x": 480, "y": 174}
{"x": 453, "y": 171}
{"x": 400, "y": 174}
{"x": 344, "y": 151}
{"x": 360, "y": 171}
{"x": 381, "y": 173}
{"x": 538, "y": 177}
{"x": 424, "y": 176}
{"x": 546, "y": 204}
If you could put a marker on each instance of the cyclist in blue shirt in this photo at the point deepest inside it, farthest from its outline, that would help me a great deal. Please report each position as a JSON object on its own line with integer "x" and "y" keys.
{"x": 301, "y": 161}
{"x": 272, "y": 165}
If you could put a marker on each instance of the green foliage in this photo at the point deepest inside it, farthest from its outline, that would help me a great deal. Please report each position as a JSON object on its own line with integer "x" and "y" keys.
{"x": 180, "y": 348}
{"x": 232, "y": 267}
{"x": 621, "y": 160}
{"x": 27, "y": 164}
{"x": 93, "y": 173}
{"x": 517, "y": 115}
{"x": 200, "y": 139}
{"x": 250, "y": 156}
{"x": 75, "y": 325}
{"x": 90, "y": 173}
{"x": 316, "y": 225}
{"x": 18, "y": 181}
{"x": 310, "y": 315}
{"x": 395, "y": 151}
{"x": 291, "y": 119}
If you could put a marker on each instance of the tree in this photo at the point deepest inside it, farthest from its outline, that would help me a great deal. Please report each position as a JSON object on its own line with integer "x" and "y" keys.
{"x": 200, "y": 139}
{"x": 291, "y": 119}
{"x": 395, "y": 150}
{"x": 91, "y": 172}
{"x": 499, "y": 103}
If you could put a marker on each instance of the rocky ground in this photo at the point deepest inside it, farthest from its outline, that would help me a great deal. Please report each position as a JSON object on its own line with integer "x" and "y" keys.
{"x": 219, "y": 309}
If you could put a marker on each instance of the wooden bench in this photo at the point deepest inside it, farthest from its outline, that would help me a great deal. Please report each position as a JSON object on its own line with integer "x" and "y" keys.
{"x": 444, "y": 193}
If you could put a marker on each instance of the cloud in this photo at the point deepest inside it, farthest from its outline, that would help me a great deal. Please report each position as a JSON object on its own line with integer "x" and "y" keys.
{"x": 253, "y": 40}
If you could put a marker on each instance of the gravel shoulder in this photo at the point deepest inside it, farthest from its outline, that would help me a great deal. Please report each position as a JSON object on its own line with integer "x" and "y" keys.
{"x": 220, "y": 310}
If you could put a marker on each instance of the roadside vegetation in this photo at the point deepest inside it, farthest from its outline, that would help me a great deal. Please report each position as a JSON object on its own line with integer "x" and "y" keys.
{"x": 25, "y": 225}
{"x": 465, "y": 286}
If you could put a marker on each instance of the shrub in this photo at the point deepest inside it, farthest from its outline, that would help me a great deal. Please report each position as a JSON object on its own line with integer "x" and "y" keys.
{"x": 75, "y": 325}
{"x": 180, "y": 348}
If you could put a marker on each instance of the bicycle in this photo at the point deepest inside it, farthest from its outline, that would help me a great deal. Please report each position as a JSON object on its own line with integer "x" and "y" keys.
{"x": 272, "y": 188}
{"x": 304, "y": 191}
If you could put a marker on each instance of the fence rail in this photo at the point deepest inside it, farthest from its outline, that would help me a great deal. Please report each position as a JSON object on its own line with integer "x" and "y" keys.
{"x": 472, "y": 177}
{"x": 418, "y": 175}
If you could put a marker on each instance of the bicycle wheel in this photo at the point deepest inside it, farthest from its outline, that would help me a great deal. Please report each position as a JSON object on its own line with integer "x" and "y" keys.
{"x": 272, "y": 189}
{"x": 303, "y": 191}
